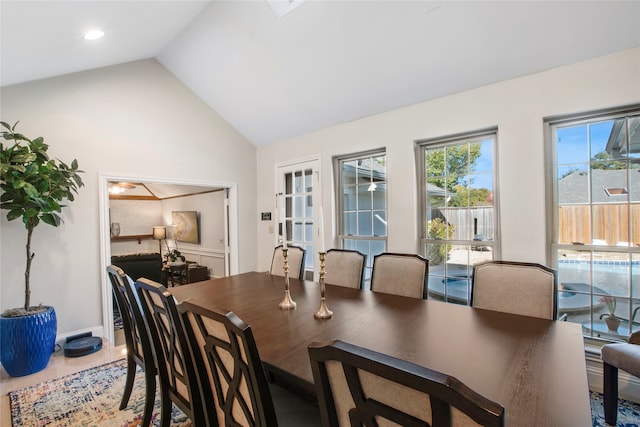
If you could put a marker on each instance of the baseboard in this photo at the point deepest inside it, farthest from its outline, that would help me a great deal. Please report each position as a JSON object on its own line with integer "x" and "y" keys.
{"x": 628, "y": 385}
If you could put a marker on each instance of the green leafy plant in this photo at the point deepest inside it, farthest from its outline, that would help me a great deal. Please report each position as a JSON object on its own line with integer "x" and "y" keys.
{"x": 439, "y": 229}
{"x": 33, "y": 187}
{"x": 174, "y": 255}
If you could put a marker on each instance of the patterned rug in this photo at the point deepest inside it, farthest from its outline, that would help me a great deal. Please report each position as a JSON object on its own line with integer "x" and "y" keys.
{"x": 88, "y": 398}
{"x": 628, "y": 412}
{"x": 92, "y": 397}
{"x": 117, "y": 319}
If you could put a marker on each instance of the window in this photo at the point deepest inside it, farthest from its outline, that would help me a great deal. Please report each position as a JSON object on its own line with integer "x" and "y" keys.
{"x": 361, "y": 182}
{"x": 457, "y": 210}
{"x": 595, "y": 240}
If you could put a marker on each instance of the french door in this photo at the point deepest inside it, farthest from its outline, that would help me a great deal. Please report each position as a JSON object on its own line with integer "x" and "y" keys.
{"x": 298, "y": 201}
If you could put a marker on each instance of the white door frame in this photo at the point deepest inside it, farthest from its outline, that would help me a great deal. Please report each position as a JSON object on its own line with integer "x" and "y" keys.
{"x": 231, "y": 224}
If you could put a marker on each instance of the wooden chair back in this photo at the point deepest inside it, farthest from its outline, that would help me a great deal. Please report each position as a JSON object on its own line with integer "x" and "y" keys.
{"x": 232, "y": 378}
{"x": 523, "y": 288}
{"x": 137, "y": 340}
{"x": 400, "y": 274}
{"x": 135, "y": 334}
{"x": 177, "y": 375}
{"x": 295, "y": 261}
{"x": 359, "y": 387}
{"x": 344, "y": 267}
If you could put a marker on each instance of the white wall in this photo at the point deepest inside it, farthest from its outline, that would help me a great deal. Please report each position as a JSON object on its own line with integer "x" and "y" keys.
{"x": 210, "y": 208}
{"x": 133, "y": 119}
{"x": 136, "y": 119}
{"x": 135, "y": 217}
{"x": 517, "y": 107}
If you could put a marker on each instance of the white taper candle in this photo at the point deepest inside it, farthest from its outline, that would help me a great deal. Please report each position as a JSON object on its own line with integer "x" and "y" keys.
{"x": 284, "y": 222}
{"x": 321, "y": 230}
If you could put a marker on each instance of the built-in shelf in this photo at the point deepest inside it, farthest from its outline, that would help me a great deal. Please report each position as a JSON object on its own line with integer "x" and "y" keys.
{"x": 137, "y": 237}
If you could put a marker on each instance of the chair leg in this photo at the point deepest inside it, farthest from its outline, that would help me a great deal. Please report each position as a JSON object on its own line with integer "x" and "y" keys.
{"x": 165, "y": 410}
{"x": 131, "y": 376}
{"x": 610, "y": 394}
{"x": 150, "y": 397}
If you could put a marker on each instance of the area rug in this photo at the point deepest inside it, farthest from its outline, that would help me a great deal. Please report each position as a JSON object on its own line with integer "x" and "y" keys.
{"x": 92, "y": 398}
{"x": 87, "y": 398}
{"x": 117, "y": 318}
{"x": 628, "y": 412}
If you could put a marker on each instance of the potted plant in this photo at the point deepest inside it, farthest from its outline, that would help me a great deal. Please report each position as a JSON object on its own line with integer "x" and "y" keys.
{"x": 33, "y": 187}
{"x": 174, "y": 255}
{"x": 611, "y": 320}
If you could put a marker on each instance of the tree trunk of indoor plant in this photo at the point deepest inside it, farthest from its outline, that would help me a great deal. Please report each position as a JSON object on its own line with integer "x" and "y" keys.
{"x": 27, "y": 272}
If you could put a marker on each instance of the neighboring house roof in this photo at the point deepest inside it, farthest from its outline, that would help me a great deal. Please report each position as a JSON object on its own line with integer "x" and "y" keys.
{"x": 379, "y": 173}
{"x": 435, "y": 190}
{"x": 366, "y": 166}
{"x": 574, "y": 188}
{"x": 618, "y": 139}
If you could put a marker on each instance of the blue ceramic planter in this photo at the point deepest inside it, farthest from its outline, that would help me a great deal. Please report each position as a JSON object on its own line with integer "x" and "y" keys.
{"x": 27, "y": 342}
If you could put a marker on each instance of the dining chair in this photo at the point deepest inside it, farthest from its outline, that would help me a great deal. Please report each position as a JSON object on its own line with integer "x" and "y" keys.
{"x": 523, "y": 288}
{"x": 357, "y": 386}
{"x": 620, "y": 355}
{"x": 176, "y": 373}
{"x": 400, "y": 274}
{"x": 344, "y": 267}
{"x": 231, "y": 376}
{"x": 137, "y": 341}
{"x": 295, "y": 261}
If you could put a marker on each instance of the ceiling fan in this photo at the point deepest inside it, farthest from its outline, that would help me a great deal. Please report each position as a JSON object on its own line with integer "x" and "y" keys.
{"x": 120, "y": 187}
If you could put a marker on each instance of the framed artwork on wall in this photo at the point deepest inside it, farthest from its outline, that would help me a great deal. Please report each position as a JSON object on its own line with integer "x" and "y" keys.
{"x": 186, "y": 226}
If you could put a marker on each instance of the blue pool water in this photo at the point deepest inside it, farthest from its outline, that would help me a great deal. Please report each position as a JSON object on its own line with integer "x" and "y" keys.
{"x": 614, "y": 277}
{"x": 577, "y": 278}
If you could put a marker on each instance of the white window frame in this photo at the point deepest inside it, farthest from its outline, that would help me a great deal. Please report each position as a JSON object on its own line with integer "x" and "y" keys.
{"x": 338, "y": 162}
{"x": 588, "y": 248}
{"x": 492, "y": 247}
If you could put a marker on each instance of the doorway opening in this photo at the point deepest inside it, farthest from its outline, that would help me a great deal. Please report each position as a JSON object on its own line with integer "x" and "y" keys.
{"x": 155, "y": 203}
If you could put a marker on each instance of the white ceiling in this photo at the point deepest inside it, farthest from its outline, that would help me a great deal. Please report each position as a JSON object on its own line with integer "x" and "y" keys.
{"x": 159, "y": 191}
{"x": 326, "y": 62}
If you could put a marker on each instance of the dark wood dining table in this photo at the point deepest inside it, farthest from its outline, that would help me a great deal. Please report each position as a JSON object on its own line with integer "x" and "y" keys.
{"x": 535, "y": 368}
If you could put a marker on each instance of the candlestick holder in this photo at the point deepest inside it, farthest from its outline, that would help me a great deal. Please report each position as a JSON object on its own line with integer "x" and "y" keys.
{"x": 287, "y": 303}
{"x": 323, "y": 312}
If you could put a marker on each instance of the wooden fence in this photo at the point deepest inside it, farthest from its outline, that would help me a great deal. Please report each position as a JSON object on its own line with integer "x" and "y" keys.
{"x": 468, "y": 223}
{"x": 610, "y": 224}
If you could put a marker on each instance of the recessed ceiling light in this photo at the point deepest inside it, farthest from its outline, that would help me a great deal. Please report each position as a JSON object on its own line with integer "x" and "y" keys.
{"x": 93, "y": 35}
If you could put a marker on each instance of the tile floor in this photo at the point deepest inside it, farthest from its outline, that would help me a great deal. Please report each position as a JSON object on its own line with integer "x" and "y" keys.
{"x": 58, "y": 366}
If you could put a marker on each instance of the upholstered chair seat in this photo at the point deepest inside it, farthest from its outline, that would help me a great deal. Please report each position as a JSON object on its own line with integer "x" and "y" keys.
{"x": 625, "y": 356}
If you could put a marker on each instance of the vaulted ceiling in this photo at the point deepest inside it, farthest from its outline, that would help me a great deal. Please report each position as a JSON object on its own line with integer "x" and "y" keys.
{"x": 324, "y": 63}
